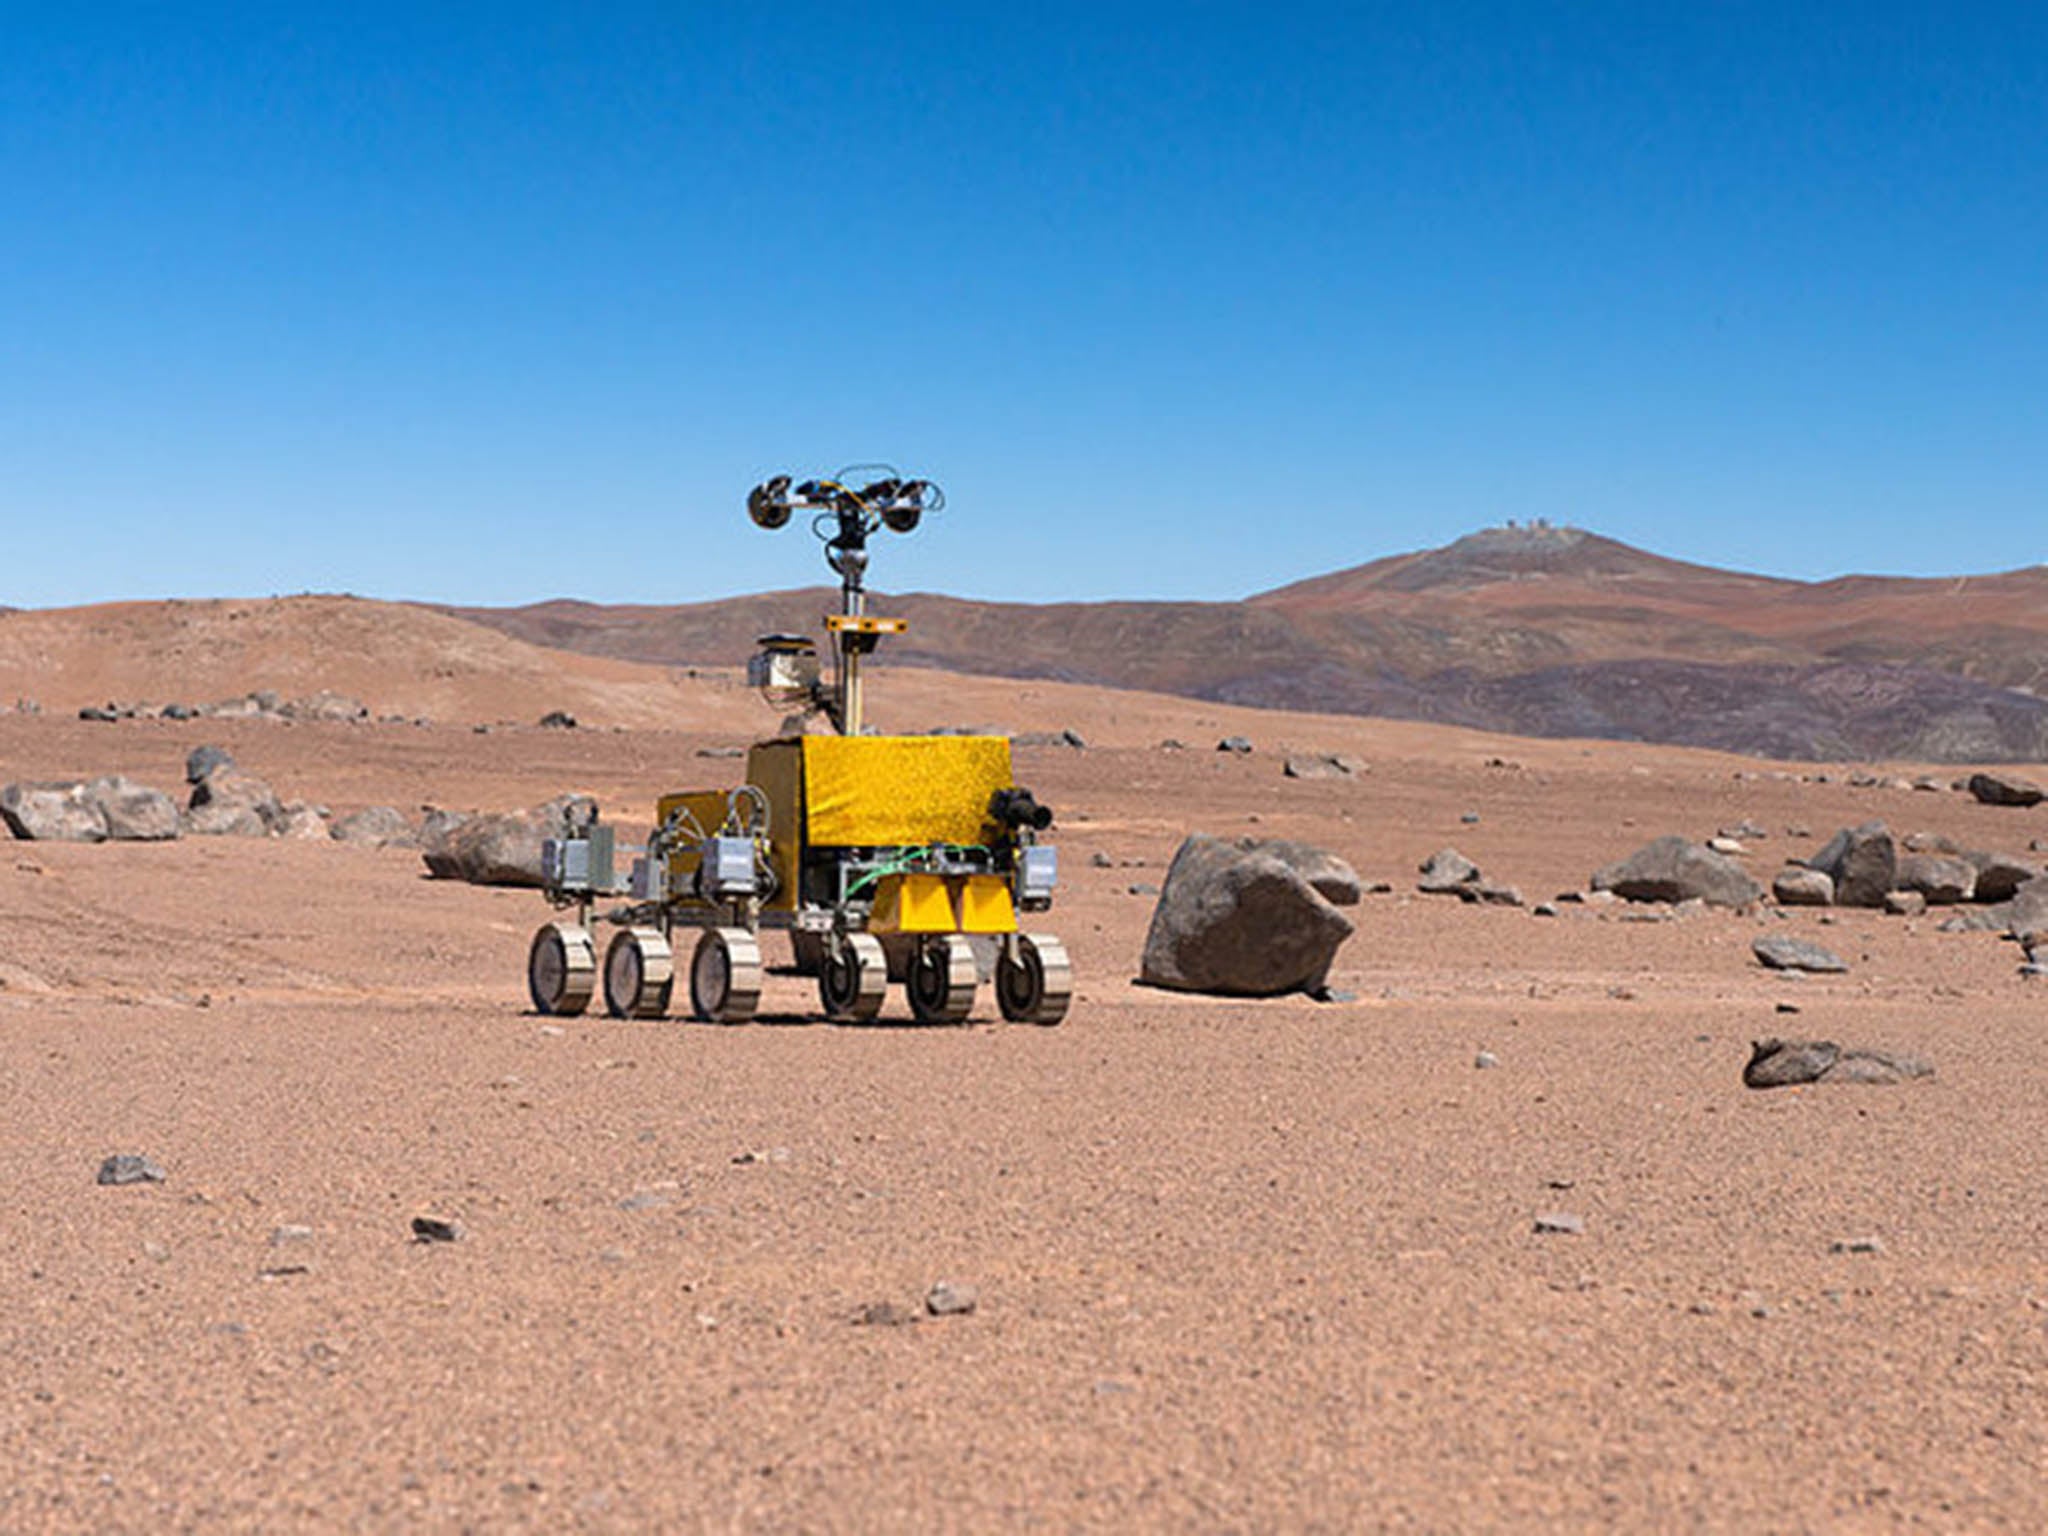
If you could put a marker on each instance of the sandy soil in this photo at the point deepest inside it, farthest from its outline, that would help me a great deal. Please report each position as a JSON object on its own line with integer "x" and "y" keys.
{"x": 1241, "y": 1266}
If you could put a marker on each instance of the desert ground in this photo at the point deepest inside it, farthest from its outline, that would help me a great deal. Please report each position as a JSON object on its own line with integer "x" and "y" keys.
{"x": 1240, "y": 1265}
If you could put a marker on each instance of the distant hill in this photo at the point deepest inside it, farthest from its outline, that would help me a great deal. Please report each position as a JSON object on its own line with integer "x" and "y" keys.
{"x": 1534, "y": 630}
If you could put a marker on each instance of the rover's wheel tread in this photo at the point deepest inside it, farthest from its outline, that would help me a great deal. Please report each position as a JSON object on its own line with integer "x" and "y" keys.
{"x": 561, "y": 969}
{"x": 852, "y": 986}
{"x": 725, "y": 976}
{"x": 1037, "y": 987}
{"x": 639, "y": 974}
{"x": 942, "y": 979}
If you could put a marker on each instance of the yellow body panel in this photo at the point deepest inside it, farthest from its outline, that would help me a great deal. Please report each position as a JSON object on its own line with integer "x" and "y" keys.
{"x": 984, "y": 905}
{"x": 912, "y": 904}
{"x": 776, "y": 768}
{"x": 892, "y": 791}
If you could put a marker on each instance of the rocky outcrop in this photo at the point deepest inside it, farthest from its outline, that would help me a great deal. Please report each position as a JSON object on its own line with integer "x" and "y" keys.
{"x": 1676, "y": 869}
{"x": 134, "y": 813}
{"x": 1240, "y": 921}
{"x": 228, "y": 798}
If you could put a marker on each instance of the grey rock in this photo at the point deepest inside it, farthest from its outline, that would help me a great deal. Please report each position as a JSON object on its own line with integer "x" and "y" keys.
{"x": 134, "y": 813}
{"x": 1543, "y": 909}
{"x": 1862, "y": 861}
{"x": 732, "y": 752}
{"x": 1491, "y": 893}
{"x": 1778, "y": 1063}
{"x": 1141, "y": 888}
{"x": 281, "y": 1236}
{"x": 1469, "y": 818}
{"x": 1928, "y": 842}
{"x": 102, "y": 713}
{"x": 1943, "y": 879}
{"x": 1241, "y": 923}
{"x": 2006, "y": 789}
{"x": 129, "y": 1168}
{"x": 1857, "y": 1245}
{"x": 1321, "y": 765}
{"x": 1796, "y": 886}
{"x": 1993, "y": 918}
{"x": 500, "y": 849}
{"x": 1101, "y": 860}
{"x": 1904, "y": 903}
{"x": 1444, "y": 871}
{"x": 201, "y": 761}
{"x": 52, "y": 813}
{"x": 324, "y": 705}
{"x": 1560, "y": 1224}
{"x": 302, "y": 822}
{"x": 180, "y": 712}
{"x": 1063, "y": 738}
{"x": 2000, "y": 875}
{"x": 1238, "y": 744}
{"x": 558, "y": 720}
{"x": 436, "y": 1229}
{"x": 2027, "y": 916}
{"x": 1485, "y": 1061}
{"x": 1781, "y": 952}
{"x": 1675, "y": 869}
{"x": 377, "y": 826}
{"x": 949, "y": 1298}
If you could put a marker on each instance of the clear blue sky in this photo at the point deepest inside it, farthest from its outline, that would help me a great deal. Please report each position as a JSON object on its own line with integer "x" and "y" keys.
{"x": 493, "y": 303}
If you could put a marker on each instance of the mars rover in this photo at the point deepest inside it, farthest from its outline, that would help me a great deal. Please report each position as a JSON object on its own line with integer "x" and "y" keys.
{"x": 882, "y": 856}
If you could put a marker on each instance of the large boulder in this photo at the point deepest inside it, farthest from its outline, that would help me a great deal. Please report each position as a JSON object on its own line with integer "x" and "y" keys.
{"x": 52, "y": 813}
{"x": 500, "y": 849}
{"x": 1242, "y": 922}
{"x": 225, "y": 821}
{"x": 326, "y": 705}
{"x": 2006, "y": 789}
{"x": 378, "y": 826}
{"x": 1334, "y": 880}
{"x": 1862, "y": 861}
{"x": 134, "y": 813}
{"x": 1943, "y": 879}
{"x": 1676, "y": 869}
{"x": 229, "y": 789}
{"x": 1782, "y": 952}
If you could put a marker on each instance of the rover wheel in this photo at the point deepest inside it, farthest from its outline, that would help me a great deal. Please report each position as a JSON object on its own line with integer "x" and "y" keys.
{"x": 941, "y": 979}
{"x": 852, "y": 983}
{"x": 639, "y": 974}
{"x": 1037, "y": 986}
{"x": 725, "y": 976}
{"x": 561, "y": 969}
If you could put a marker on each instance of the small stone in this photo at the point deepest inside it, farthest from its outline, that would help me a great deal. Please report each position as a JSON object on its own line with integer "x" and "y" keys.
{"x": 1101, "y": 860}
{"x": 645, "y": 1200}
{"x": 1485, "y": 1061}
{"x": 950, "y": 1299}
{"x": 1904, "y": 903}
{"x": 1141, "y": 888}
{"x": 1470, "y": 819}
{"x": 203, "y": 761}
{"x": 884, "y": 1314}
{"x": 280, "y": 1236}
{"x": 1543, "y": 909}
{"x": 1560, "y": 1224}
{"x": 1796, "y": 886}
{"x": 436, "y": 1229}
{"x": 1726, "y": 845}
{"x": 1857, "y": 1245}
{"x": 558, "y": 720}
{"x": 1237, "y": 744}
{"x": 130, "y": 1168}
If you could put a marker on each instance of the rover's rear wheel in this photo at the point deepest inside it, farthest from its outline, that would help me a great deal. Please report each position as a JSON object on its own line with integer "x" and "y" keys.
{"x": 725, "y": 976}
{"x": 561, "y": 969}
{"x": 1037, "y": 986}
{"x": 851, "y": 983}
{"x": 639, "y": 974}
{"x": 941, "y": 979}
